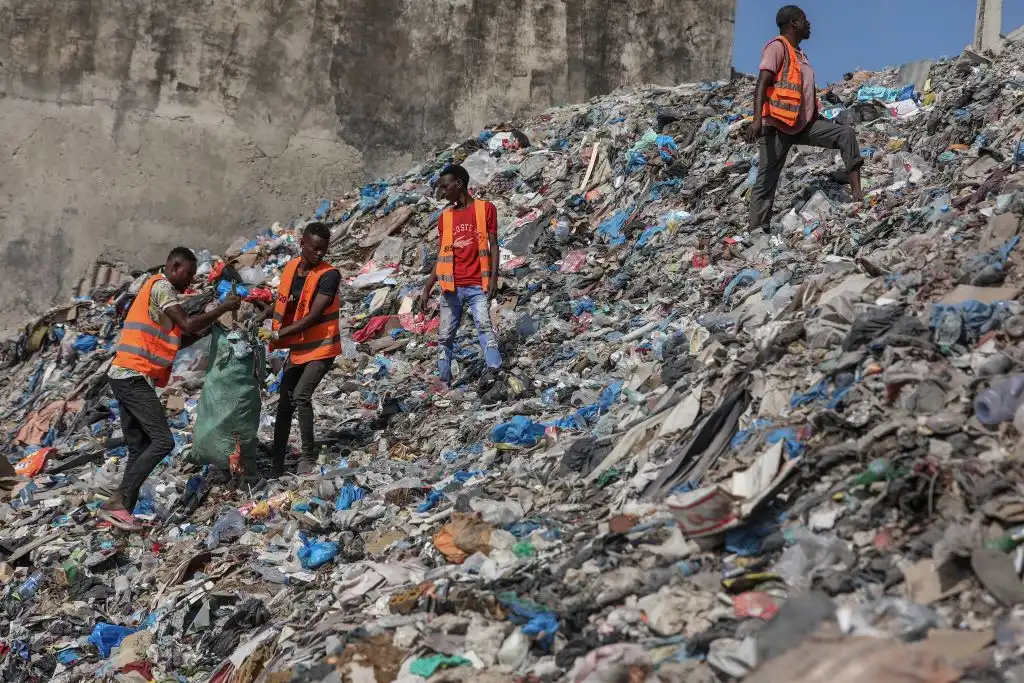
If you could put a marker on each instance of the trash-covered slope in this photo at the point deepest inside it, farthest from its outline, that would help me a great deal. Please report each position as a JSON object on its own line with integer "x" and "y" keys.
{"x": 715, "y": 455}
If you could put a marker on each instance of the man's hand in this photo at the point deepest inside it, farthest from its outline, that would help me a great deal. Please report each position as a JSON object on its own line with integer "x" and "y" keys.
{"x": 424, "y": 300}
{"x": 492, "y": 288}
{"x": 754, "y": 129}
{"x": 232, "y": 302}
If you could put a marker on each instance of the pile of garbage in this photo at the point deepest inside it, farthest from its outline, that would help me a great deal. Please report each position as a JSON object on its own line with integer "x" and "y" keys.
{"x": 712, "y": 454}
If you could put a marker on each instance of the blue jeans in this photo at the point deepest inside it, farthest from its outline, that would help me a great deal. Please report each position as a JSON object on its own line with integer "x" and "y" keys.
{"x": 452, "y": 305}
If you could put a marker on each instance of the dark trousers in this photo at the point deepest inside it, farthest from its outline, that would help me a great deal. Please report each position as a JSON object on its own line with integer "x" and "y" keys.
{"x": 146, "y": 434}
{"x": 297, "y": 387}
{"x": 773, "y": 149}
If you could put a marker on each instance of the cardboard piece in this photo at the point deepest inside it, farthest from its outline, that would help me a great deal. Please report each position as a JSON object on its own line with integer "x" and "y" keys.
{"x": 248, "y": 260}
{"x": 1000, "y": 230}
{"x": 925, "y": 582}
{"x": 387, "y": 225}
{"x": 955, "y": 644}
{"x": 985, "y": 295}
{"x": 759, "y": 476}
{"x": 683, "y": 415}
{"x": 174, "y": 403}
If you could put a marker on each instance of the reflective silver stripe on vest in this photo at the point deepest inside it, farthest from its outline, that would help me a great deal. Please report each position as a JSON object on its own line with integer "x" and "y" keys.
{"x": 309, "y": 346}
{"x": 278, "y": 317}
{"x": 779, "y": 104}
{"x": 142, "y": 353}
{"x": 154, "y": 331}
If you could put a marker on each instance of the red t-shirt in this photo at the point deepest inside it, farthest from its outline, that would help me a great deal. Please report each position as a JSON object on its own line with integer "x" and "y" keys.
{"x": 464, "y": 243}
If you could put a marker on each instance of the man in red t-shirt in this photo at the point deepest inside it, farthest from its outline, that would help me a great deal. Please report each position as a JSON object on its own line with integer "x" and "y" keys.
{"x": 467, "y": 271}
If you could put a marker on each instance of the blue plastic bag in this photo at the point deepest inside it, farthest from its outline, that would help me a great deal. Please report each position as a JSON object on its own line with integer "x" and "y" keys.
{"x": 537, "y": 620}
{"x": 433, "y": 498}
{"x": 611, "y": 228}
{"x": 543, "y": 627}
{"x": 85, "y": 343}
{"x": 350, "y": 493}
{"x": 666, "y": 146}
{"x": 580, "y": 418}
{"x": 108, "y": 636}
{"x": 322, "y": 210}
{"x": 224, "y": 288}
{"x": 519, "y": 431}
{"x": 744, "y": 277}
{"x": 314, "y": 554}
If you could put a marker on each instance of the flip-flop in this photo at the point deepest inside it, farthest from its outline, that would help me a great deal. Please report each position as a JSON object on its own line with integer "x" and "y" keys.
{"x": 123, "y": 522}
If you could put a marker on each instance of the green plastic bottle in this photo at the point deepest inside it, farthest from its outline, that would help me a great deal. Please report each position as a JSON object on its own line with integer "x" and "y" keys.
{"x": 878, "y": 470}
{"x": 1008, "y": 541}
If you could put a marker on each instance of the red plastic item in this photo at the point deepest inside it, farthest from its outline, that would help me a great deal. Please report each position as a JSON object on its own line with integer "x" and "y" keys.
{"x": 755, "y": 605}
{"x": 215, "y": 272}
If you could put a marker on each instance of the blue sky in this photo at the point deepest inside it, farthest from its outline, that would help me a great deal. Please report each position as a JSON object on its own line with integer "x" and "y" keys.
{"x": 867, "y": 34}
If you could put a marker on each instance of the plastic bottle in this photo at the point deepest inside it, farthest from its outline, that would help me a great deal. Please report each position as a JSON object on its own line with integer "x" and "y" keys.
{"x": 562, "y": 227}
{"x": 1000, "y": 401}
{"x": 230, "y": 526}
{"x": 1008, "y": 541}
{"x": 688, "y": 567}
{"x": 28, "y": 589}
{"x": 877, "y": 471}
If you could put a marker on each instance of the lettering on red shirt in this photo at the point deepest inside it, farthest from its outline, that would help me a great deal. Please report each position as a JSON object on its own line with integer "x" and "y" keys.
{"x": 464, "y": 243}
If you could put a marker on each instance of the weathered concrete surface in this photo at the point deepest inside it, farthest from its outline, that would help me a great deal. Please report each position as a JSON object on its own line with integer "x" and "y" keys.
{"x": 135, "y": 125}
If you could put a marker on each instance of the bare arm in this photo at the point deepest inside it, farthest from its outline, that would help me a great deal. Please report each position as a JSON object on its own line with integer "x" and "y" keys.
{"x": 492, "y": 244}
{"x": 197, "y": 323}
{"x": 320, "y": 304}
{"x": 764, "y": 79}
{"x": 425, "y": 294}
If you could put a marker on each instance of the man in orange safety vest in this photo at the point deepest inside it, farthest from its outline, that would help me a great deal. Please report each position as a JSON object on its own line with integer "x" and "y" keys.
{"x": 786, "y": 114}
{"x": 467, "y": 270}
{"x": 150, "y": 338}
{"x": 305, "y": 321}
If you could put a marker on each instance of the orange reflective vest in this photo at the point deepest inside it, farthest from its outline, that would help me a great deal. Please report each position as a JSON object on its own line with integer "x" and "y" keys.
{"x": 783, "y": 97}
{"x": 144, "y": 345}
{"x": 323, "y": 339}
{"x": 446, "y": 257}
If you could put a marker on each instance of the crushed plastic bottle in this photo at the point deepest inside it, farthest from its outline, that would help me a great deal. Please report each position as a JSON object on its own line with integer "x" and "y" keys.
{"x": 561, "y": 227}
{"x": 28, "y": 589}
{"x": 1000, "y": 401}
{"x": 230, "y": 526}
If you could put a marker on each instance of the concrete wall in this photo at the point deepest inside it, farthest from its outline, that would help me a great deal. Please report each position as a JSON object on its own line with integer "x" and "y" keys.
{"x": 130, "y": 126}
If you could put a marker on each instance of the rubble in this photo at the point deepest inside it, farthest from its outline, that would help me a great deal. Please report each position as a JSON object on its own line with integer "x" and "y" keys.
{"x": 713, "y": 454}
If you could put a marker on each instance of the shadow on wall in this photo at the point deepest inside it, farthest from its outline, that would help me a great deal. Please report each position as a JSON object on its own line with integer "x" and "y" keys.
{"x": 132, "y": 126}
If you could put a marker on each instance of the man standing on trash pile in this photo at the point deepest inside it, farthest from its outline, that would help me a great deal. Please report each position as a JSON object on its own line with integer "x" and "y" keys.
{"x": 305, "y": 321}
{"x": 149, "y": 340}
{"x": 467, "y": 269}
{"x": 786, "y": 114}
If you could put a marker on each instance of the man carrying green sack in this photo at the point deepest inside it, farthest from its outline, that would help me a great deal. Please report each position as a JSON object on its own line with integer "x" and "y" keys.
{"x": 150, "y": 338}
